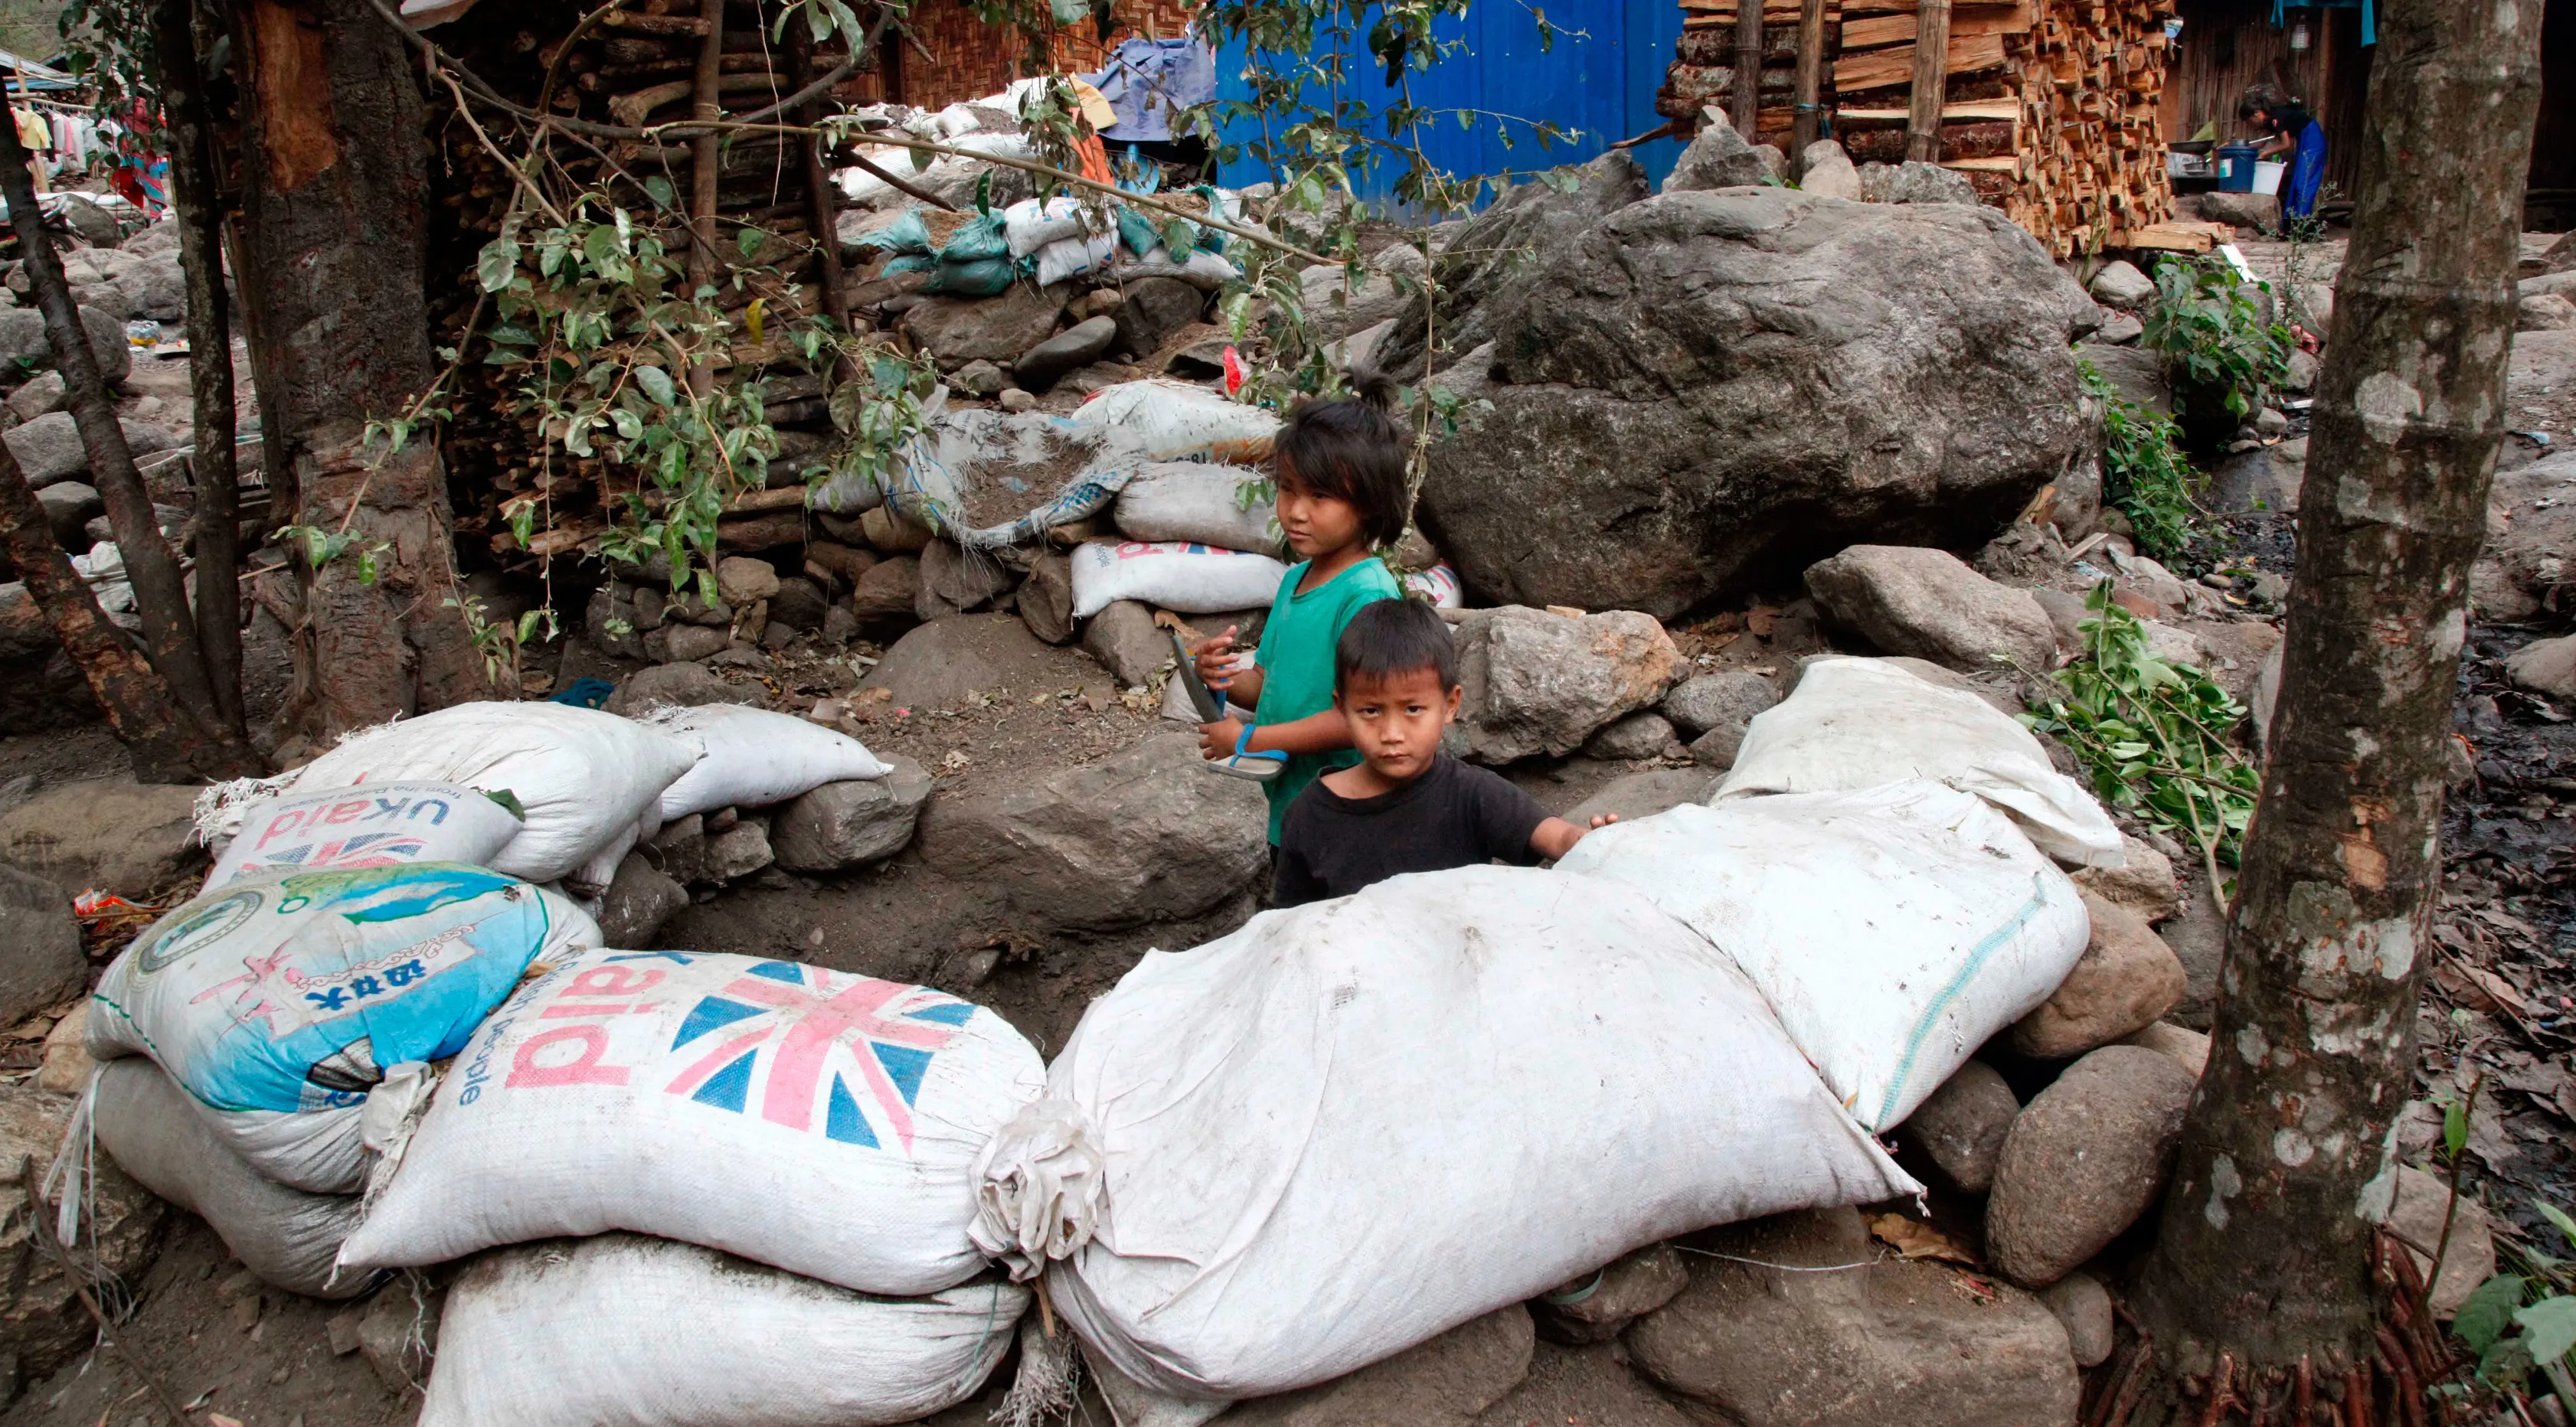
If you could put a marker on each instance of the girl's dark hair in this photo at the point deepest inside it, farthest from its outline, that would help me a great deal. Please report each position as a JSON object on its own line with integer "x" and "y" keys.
{"x": 1352, "y": 450}
{"x": 1389, "y": 637}
{"x": 2262, "y": 98}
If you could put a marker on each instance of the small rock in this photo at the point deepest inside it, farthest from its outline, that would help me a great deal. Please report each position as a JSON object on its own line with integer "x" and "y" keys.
{"x": 954, "y": 581}
{"x": 1445, "y": 1382}
{"x": 1186, "y": 841}
{"x": 682, "y": 848}
{"x": 1040, "y": 365}
{"x": 742, "y": 580}
{"x": 850, "y": 824}
{"x": 1719, "y": 157}
{"x": 2301, "y": 377}
{"x": 2120, "y": 329}
{"x": 958, "y": 330}
{"x": 839, "y": 626}
{"x": 2085, "y": 1158}
{"x": 2545, "y": 666}
{"x": 244, "y": 1312}
{"x": 1046, "y": 597}
{"x": 1959, "y": 1129}
{"x": 1016, "y": 401}
{"x": 738, "y": 851}
{"x": 2266, "y": 478}
{"x": 1632, "y": 737}
{"x": 1594, "y": 1308}
{"x": 66, "y": 1067}
{"x": 2258, "y": 211}
{"x": 2268, "y": 424}
{"x": 2189, "y": 1048}
{"x": 2126, "y": 979}
{"x": 1895, "y": 1341}
{"x": 679, "y": 643}
{"x": 1127, "y": 642}
{"x": 69, "y": 507}
{"x": 2144, "y": 883}
{"x": 396, "y": 1335}
{"x": 606, "y": 609}
{"x": 2416, "y": 1218}
{"x": 110, "y": 833}
{"x": 41, "y": 964}
{"x": 638, "y": 900}
{"x": 2084, "y": 1306}
{"x": 1728, "y": 700}
{"x": 979, "y": 378}
{"x": 2119, "y": 284}
{"x": 684, "y": 686}
{"x": 42, "y": 395}
{"x": 1156, "y": 307}
{"x": 343, "y": 1332}
{"x": 844, "y": 563}
{"x": 890, "y": 531}
{"x": 889, "y": 590}
{"x": 1536, "y": 681}
{"x": 1642, "y": 794}
{"x": 1929, "y": 604}
{"x": 798, "y": 605}
{"x": 1827, "y": 172}
{"x": 1099, "y": 302}
{"x": 941, "y": 662}
{"x": 1915, "y": 182}
{"x": 2066, "y": 614}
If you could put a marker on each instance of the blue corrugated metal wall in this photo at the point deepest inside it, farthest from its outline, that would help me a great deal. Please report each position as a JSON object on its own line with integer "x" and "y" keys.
{"x": 1601, "y": 82}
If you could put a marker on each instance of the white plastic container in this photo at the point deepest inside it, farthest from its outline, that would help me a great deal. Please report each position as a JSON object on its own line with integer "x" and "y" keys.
{"x": 2268, "y": 175}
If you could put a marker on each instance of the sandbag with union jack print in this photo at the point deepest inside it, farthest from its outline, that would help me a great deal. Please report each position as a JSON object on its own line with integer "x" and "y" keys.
{"x": 818, "y": 1121}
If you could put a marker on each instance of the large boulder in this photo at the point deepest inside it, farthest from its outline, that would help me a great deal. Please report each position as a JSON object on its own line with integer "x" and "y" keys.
{"x": 2126, "y": 980}
{"x": 40, "y": 687}
{"x": 49, "y": 448}
{"x": 1504, "y": 256}
{"x": 1928, "y": 604}
{"x": 1143, "y": 835}
{"x": 1445, "y": 1382}
{"x": 685, "y": 686}
{"x": 851, "y": 824}
{"x": 2119, "y": 284}
{"x": 112, "y": 833}
{"x": 40, "y": 947}
{"x": 1536, "y": 681}
{"x": 638, "y": 900}
{"x": 943, "y": 661}
{"x": 2088, "y": 1155}
{"x": 958, "y": 330}
{"x": 2417, "y": 1214}
{"x": 42, "y": 1323}
{"x": 1874, "y": 1342}
{"x": 1709, "y": 389}
{"x": 2144, "y": 883}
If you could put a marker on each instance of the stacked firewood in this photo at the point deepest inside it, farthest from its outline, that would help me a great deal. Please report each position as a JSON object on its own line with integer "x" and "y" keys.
{"x": 2049, "y": 106}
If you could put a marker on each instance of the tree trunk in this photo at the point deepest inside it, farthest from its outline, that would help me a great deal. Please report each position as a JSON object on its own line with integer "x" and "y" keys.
{"x": 1811, "y": 83}
{"x": 332, "y": 240}
{"x": 157, "y": 736}
{"x": 2288, "y": 1156}
{"x": 210, "y": 356}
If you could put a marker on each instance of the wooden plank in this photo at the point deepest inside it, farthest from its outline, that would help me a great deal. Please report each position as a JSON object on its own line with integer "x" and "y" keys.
{"x": 1811, "y": 80}
{"x": 1873, "y": 30}
{"x": 1930, "y": 86}
{"x": 1873, "y": 69}
{"x": 1964, "y": 109}
{"x": 2007, "y": 163}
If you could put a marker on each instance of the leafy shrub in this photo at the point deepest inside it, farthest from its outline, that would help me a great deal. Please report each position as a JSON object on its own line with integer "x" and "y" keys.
{"x": 2144, "y": 475}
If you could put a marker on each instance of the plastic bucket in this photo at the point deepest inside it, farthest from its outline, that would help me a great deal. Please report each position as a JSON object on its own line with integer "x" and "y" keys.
{"x": 2268, "y": 176}
{"x": 2236, "y": 168}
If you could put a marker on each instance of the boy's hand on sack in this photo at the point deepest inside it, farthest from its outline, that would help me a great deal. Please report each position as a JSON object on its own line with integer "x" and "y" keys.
{"x": 1216, "y": 664}
{"x": 1216, "y": 740}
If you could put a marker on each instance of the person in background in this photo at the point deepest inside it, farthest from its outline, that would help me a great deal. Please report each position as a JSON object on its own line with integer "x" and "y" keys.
{"x": 1339, "y": 467}
{"x": 1406, "y": 806}
{"x": 2295, "y": 132}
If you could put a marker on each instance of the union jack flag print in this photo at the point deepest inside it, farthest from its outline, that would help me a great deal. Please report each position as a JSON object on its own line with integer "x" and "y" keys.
{"x": 366, "y": 849}
{"x": 857, "y": 1045}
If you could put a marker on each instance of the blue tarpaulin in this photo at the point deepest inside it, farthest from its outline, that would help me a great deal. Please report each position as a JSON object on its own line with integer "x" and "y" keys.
{"x": 1601, "y": 81}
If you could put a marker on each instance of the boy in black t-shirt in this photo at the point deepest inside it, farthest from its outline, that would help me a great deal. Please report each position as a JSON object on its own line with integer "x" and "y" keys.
{"x": 1406, "y": 807}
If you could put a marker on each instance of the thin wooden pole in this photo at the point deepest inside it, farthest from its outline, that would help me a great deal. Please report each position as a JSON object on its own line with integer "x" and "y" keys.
{"x": 819, "y": 191}
{"x": 1746, "y": 101}
{"x": 1931, "y": 81}
{"x": 706, "y": 161}
{"x": 1807, "y": 117}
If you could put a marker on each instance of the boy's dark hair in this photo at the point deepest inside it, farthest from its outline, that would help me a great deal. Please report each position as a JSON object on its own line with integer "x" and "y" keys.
{"x": 1351, "y": 450}
{"x": 1389, "y": 637}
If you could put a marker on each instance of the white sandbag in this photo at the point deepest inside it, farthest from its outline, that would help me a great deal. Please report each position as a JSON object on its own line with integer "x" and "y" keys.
{"x": 1031, "y": 223}
{"x": 581, "y": 775}
{"x": 753, "y": 758}
{"x": 1199, "y": 502}
{"x": 1892, "y": 930}
{"x": 1858, "y": 723}
{"x": 1202, "y": 269}
{"x": 1437, "y": 586}
{"x": 588, "y": 883}
{"x": 382, "y": 824}
{"x": 1077, "y": 256}
{"x": 814, "y": 1120}
{"x": 1172, "y": 421}
{"x": 148, "y": 1125}
{"x": 279, "y": 1002}
{"x": 989, "y": 479}
{"x": 1355, "y": 1124}
{"x": 622, "y": 1331}
{"x": 1194, "y": 579}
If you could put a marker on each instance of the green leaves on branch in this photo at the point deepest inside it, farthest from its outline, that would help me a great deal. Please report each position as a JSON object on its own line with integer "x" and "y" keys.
{"x": 2144, "y": 474}
{"x": 321, "y": 548}
{"x": 2206, "y": 322}
{"x": 2521, "y": 1324}
{"x": 2152, "y": 735}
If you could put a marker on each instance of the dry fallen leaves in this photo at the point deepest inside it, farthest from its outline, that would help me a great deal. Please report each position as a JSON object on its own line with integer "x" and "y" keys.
{"x": 1914, "y": 1239}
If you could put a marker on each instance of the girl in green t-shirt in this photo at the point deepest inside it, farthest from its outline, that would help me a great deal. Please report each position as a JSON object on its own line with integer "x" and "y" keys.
{"x": 1339, "y": 466}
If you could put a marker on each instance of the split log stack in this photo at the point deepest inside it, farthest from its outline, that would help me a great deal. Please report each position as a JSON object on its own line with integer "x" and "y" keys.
{"x": 2050, "y": 106}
